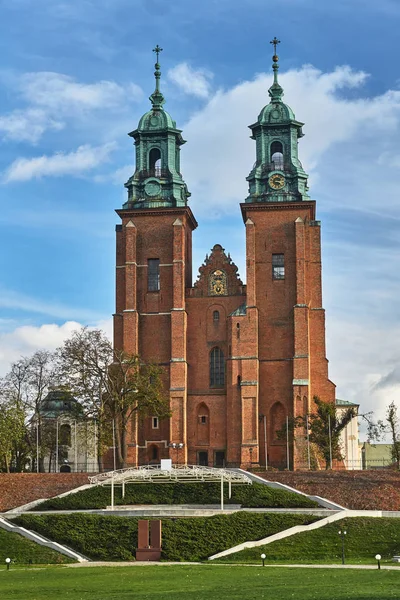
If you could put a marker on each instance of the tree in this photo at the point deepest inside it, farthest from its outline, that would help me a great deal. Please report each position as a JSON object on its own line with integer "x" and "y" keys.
{"x": 390, "y": 426}
{"x": 22, "y": 390}
{"x": 111, "y": 385}
{"x": 12, "y": 433}
{"x": 325, "y": 427}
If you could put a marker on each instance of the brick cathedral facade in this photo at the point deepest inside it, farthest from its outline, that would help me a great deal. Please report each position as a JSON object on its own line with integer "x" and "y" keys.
{"x": 238, "y": 359}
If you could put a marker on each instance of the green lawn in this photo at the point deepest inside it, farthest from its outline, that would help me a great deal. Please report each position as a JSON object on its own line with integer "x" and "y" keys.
{"x": 23, "y": 551}
{"x": 256, "y": 495}
{"x": 197, "y": 583}
{"x": 185, "y": 539}
{"x": 365, "y": 538}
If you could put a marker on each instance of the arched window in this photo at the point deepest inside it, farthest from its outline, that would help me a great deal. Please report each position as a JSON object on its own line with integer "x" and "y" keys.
{"x": 216, "y": 316}
{"x": 217, "y": 368}
{"x": 277, "y": 155}
{"x": 65, "y": 435}
{"x": 155, "y": 162}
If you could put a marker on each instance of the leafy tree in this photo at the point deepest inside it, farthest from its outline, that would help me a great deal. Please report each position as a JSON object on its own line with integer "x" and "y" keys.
{"x": 12, "y": 433}
{"x": 112, "y": 386}
{"x": 325, "y": 427}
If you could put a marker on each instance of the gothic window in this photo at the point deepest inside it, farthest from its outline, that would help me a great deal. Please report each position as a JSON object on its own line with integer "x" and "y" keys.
{"x": 278, "y": 266}
{"x": 217, "y": 284}
{"x": 217, "y": 368}
{"x": 65, "y": 435}
{"x": 155, "y": 162}
{"x": 154, "y": 422}
{"x": 216, "y": 316}
{"x": 153, "y": 275}
{"x": 277, "y": 155}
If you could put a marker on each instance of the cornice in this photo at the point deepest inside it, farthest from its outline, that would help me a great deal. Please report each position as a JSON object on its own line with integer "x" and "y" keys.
{"x": 126, "y": 213}
{"x": 273, "y": 206}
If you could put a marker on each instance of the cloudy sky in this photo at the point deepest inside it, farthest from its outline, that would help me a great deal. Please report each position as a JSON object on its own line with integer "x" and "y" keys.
{"x": 75, "y": 77}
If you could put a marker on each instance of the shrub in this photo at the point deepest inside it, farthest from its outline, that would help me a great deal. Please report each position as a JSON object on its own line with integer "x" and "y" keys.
{"x": 256, "y": 495}
{"x": 187, "y": 539}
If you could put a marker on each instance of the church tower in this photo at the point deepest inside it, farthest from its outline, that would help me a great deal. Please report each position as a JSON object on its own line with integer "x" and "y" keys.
{"x": 239, "y": 360}
{"x": 284, "y": 291}
{"x": 154, "y": 266}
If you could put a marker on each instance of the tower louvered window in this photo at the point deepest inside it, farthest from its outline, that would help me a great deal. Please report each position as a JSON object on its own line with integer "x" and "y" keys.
{"x": 217, "y": 368}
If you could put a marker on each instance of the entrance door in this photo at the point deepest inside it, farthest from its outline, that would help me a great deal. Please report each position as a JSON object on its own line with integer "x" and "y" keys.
{"x": 202, "y": 459}
{"x": 220, "y": 458}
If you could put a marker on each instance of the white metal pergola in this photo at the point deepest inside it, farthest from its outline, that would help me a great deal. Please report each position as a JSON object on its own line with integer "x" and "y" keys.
{"x": 173, "y": 474}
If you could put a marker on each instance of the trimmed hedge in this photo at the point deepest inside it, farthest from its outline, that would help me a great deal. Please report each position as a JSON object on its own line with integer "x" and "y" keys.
{"x": 186, "y": 539}
{"x": 256, "y": 495}
{"x": 365, "y": 538}
{"x": 23, "y": 551}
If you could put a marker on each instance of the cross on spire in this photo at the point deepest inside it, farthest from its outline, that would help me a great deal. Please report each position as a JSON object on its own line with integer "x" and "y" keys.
{"x": 275, "y": 42}
{"x": 157, "y": 50}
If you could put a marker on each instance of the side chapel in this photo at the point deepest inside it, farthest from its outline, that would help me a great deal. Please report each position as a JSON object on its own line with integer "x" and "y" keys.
{"x": 239, "y": 359}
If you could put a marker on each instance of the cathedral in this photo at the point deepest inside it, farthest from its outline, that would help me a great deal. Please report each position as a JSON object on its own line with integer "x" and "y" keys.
{"x": 239, "y": 359}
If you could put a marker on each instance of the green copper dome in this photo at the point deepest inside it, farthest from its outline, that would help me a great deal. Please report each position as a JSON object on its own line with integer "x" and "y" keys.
{"x": 157, "y": 181}
{"x": 276, "y": 112}
{"x": 277, "y": 174}
{"x": 156, "y": 119}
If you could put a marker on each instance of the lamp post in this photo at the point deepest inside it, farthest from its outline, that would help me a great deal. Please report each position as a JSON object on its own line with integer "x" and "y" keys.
{"x": 8, "y": 561}
{"x": 263, "y": 557}
{"x": 378, "y": 558}
{"x": 342, "y": 534}
{"x": 177, "y": 447}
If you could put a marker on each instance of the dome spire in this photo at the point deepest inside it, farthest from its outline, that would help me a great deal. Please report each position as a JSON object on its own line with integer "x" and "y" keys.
{"x": 156, "y": 98}
{"x": 275, "y": 91}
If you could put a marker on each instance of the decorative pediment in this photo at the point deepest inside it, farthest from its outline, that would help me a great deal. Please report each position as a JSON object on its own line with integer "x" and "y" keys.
{"x": 218, "y": 275}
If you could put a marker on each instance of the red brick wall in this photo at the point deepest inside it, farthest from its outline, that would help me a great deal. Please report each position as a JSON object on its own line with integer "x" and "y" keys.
{"x": 17, "y": 489}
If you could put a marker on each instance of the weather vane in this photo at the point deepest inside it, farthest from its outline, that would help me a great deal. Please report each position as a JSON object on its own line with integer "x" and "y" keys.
{"x": 157, "y": 50}
{"x": 275, "y": 42}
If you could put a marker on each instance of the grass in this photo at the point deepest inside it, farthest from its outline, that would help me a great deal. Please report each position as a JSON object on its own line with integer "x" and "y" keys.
{"x": 23, "y": 551}
{"x": 365, "y": 538}
{"x": 186, "y": 539}
{"x": 256, "y": 495}
{"x": 198, "y": 583}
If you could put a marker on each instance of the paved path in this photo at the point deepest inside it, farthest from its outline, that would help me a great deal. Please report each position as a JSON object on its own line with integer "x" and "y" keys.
{"x": 168, "y": 564}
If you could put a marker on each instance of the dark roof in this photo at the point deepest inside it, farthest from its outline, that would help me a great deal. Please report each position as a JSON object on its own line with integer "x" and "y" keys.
{"x": 58, "y": 402}
{"x": 239, "y": 312}
{"x": 339, "y": 402}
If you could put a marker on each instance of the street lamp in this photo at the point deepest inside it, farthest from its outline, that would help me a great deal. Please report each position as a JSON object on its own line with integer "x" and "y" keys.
{"x": 177, "y": 447}
{"x": 263, "y": 557}
{"x": 8, "y": 560}
{"x": 342, "y": 534}
{"x": 378, "y": 558}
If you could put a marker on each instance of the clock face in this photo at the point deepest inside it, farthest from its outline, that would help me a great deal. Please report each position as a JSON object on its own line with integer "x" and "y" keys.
{"x": 152, "y": 188}
{"x": 276, "y": 181}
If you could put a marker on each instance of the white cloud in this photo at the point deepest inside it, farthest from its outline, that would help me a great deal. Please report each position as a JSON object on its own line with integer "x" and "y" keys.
{"x": 28, "y": 125}
{"x": 59, "y": 92}
{"x": 25, "y": 340}
{"x": 222, "y": 147}
{"x": 191, "y": 81}
{"x": 54, "y": 98}
{"x": 75, "y": 163}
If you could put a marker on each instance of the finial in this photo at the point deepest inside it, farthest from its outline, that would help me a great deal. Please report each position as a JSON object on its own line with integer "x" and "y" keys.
{"x": 157, "y": 99}
{"x": 275, "y": 42}
{"x": 275, "y": 91}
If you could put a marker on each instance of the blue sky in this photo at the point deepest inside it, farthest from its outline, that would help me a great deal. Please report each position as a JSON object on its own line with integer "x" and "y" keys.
{"x": 75, "y": 78}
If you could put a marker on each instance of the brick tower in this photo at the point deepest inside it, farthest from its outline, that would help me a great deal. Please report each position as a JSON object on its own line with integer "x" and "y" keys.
{"x": 238, "y": 359}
